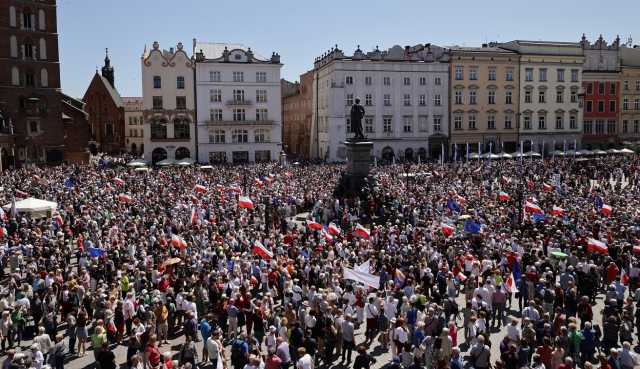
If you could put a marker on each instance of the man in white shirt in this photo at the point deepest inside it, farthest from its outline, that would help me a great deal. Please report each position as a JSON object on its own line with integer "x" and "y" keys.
{"x": 513, "y": 331}
{"x": 305, "y": 361}
{"x": 531, "y": 312}
{"x": 371, "y": 314}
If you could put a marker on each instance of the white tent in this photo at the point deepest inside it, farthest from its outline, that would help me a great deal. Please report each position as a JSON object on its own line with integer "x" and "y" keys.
{"x": 185, "y": 162}
{"x": 166, "y": 162}
{"x": 505, "y": 155}
{"x": 137, "y": 163}
{"x": 35, "y": 207}
{"x": 626, "y": 151}
{"x": 204, "y": 167}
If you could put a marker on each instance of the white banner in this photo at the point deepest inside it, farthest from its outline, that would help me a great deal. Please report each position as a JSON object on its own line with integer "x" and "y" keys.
{"x": 367, "y": 279}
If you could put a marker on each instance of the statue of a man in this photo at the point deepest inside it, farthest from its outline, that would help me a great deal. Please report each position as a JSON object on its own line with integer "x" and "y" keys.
{"x": 357, "y": 113}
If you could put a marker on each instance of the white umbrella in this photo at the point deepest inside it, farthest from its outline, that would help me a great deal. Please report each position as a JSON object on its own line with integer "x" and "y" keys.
{"x": 626, "y": 151}
{"x": 558, "y": 153}
{"x": 137, "y": 163}
{"x": 505, "y": 155}
{"x": 613, "y": 151}
{"x": 473, "y": 155}
{"x": 142, "y": 169}
{"x": 185, "y": 161}
{"x": 571, "y": 153}
{"x": 206, "y": 167}
{"x": 532, "y": 153}
{"x": 585, "y": 152}
{"x": 166, "y": 162}
{"x": 599, "y": 152}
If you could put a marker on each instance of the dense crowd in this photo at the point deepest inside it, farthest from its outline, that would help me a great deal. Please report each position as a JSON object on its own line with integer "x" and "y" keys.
{"x": 448, "y": 256}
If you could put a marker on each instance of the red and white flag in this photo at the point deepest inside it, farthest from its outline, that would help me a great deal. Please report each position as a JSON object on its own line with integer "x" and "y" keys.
{"x": 362, "y": 231}
{"x": 314, "y": 225}
{"x": 532, "y": 208}
{"x": 260, "y": 250}
{"x": 178, "y": 242}
{"x": 200, "y": 189}
{"x": 258, "y": 182}
{"x": 194, "y": 216}
{"x": 461, "y": 200}
{"x": 334, "y": 229}
{"x": 624, "y": 277}
{"x": 597, "y": 246}
{"x": 3, "y": 232}
{"x": 510, "y": 284}
{"x": 606, "y": 209}
{"x": 557, "y": 211}
{"x": 532, "y": 199}
{"x": 547, "y": 187}
{"x": 503, "y": 196}
{"x": 447, "y": 229}
{"x": 235, "y": 189}
{"x": 636, "y": 249}
{"x": 125, "y": 198}
{"x": 461, "y": 277}
{"x": 327, "y": 236}
{"x": 118, "y": 181}
{"x": 245, "y": 202}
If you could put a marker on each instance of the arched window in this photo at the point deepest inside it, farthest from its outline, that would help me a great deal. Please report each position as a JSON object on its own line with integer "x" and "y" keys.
{"x": 239, "y": 136}
{"x": 27, "y": 49}
{"x": 181, "y": 129}
{"x": 27, "y": 19}
{"x": 158, "y": 130}
{"x": 43, "y": 49}
{"x": 44, "y": 77}
{"x": 182, "y": 153}
{"x": 15, "y": 76}
{"x": 41, "y": 20}
{"x": 12, "y": 16}
{"x": 13, "y": 42}
{"x": 261, "y": 135}
{"x": 217, "y": 136}
{"x": 158, "y": 154}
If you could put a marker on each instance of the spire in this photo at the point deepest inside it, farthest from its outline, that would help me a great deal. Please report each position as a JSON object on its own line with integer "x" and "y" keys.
{"x": 107, "y": 70}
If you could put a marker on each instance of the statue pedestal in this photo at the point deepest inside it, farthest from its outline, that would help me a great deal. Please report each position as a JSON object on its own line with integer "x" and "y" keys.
{"x": 356, "y": 177}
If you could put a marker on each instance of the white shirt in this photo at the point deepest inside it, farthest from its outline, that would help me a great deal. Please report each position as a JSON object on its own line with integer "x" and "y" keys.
{"x": 370, "y": 311}
{"x": 212, "y": 348}
{"x": 390, "y": 308}
{"x": 400, "y": 335}
{"x": 305, "y": 362}
{"x": 513, "y": 332}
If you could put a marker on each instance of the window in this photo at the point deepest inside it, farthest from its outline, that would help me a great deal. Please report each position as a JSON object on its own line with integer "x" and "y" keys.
{"x": 215, "y": 95}
{"x": 368, "y": 100}
{"x": 542, "y": 96}
{"x": 472, "y": 97}
{"x": 33, "y": 127}
{"x": 261, "y": 77}
{"x": 217, "y": 136}
{"x": 367, "y": 80}
{"x": 158, "y": 130}
{"x": 559, "y": 122}
{"x": 29, "y": 80}
{"x": 349, "y": 100}
{"x": 26, "y": 20}
{"x": 13, "y": 46}
{"x": 509, "y": 74}
{"x": 612, "y": 88}
{"x": 214, "y": 76}
{"x": 157, "y": 82}
{"x": 238, "y": 76}
{"x": 574, "y": 96}
{"x": 437, "y": 100}
{"x": 542, "y": 122}
{"x": 588, "y": 127}
{"x": 437, "y": 123}
{"x": 28, "y": 49}
{"x": 526, "y": 122}
{"x": 407, "y": 100}
{"x": 492, "y": 97}
{"x": 180, "y": 83}
{"x": 601, "y": 88}
{"x": 12, "y": 16}
{"x": 407, "y": 124}
{"x": 348, "y": 80}
{"x": 528, "y": 74}
{"x": 636, "y": 126}
{"x": 560, "y": 75}
{"x": 527, "y": 96}
{"x": 181, "y": 103}
{"x": 559, "y": 96}
{"x": 386, "y": 81}
{"x": 239, "y": 136}
{"x": 458, "y": 97}
{"x": 406, "y": 81}
{"x": 611, "y": 127}
{"x": 387, "y": 100}
{"x": 437, "y": 81}
{"x": 215, "y": 115}
{"x": 612, "y": 106}
{"x": 491, "y": 121}
{"x": 239, "y": 115}
{"x": 473, "y": 73}
{"x": 44, "y": 77}
{"x": 625, "y": 104}
{"x": 238, "y": 96}
{"x": 422, "y": 100}
{"x": 41, "y": 20}
{"x": 368, "y": 125}
{"x": 589, "y": 106}
{"x": 423, "y": 123}
{"x": 574, "y": 75}
{"x": 43, "y": 49}
{"x": 261, "y": 96}
{"x": 599, "y": 127}
{"x": 507, "y": 121}
{"x": 423, "y": 81}
{"x": 261, "y": 135}
{"x": 590, "y": 88}
{"x": 625, "y": 85}
{"x": 387, "y": 126}
{"x": 181, "y": 130}
{"x": 573, "y": 122}
{"x": 492, "y": 74}
{"x": 600, "y": 106}
{"x": 457, "y": 122}
{"x": 636, "y": 104}
{"x": 157, "y": 102}
{"x": 459, "y": 73}
{"x": 472, "y": 120}
{"x": 625, "y": 126}
{"x": 638, "y": 85}
{"x": 261, "y": 115}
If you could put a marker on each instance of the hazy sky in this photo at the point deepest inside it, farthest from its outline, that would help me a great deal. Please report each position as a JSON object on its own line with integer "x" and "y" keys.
{"x": 301, "y": 30}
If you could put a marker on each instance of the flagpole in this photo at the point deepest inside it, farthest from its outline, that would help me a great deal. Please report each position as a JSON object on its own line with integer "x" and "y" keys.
{"x": 490, "y": 151}
{"x": 467, "y": 157}
{"x": 442, "y": 154}
{"x": 575, "y": 148}
{"x": 479, "y": 150}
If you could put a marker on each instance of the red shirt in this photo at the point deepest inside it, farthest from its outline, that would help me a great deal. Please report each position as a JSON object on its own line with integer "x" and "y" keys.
{"x": 612, "y": 272}
{"x": 154, "y": 355}
{"x": 273, "y": 362}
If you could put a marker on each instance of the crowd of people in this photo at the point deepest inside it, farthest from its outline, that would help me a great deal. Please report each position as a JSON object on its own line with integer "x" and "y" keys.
{"x": 538, "y": 257}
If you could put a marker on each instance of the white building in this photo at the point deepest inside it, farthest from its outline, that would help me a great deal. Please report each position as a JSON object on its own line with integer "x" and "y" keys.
{"x": 133, "y": 126}
{"x": 239, "y": 104}
{"x": 405, "y": 95}
{"x": 168, "y": 102}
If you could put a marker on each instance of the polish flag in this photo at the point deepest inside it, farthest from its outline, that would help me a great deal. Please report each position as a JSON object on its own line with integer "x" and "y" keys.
{"x": 636, "y": 249}
{"x": 547, "y": 187}
{"x": 606, "y": 209}
{"x": 235, "y": 189}
{"x": 124, "y": 198}
{"x": 178, "y": 242}
{"x": 461, "y": 277}
{"x": 327, "y": 236}
{"x": 557, "y": 211}
{"x": 532, "y": 208}
{"x": 194, "y": 216}
{"x": 362, "y": 231}
{"x": 245, "y": 202}
{"x": 314, "y": 225}
{"x": 532, "y": 199}
{"x": 624, "y": 277}
{"x": 510, "y": 284}
{"x": 200, "y": 189}
{"x": 503, "y": 196}
{"x": 447, "y": 229}
{"x": 118, "y": 181}
{"x": 259, "y": 249}
{"x": 334, "y": 229}
{"x": 258, "y": 182}
{"x": 461, "y": 200}
{"x": 597, "y": 246}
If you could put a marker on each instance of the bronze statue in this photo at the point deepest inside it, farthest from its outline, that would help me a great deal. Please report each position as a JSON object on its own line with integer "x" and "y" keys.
{"x": 357, "y": 113}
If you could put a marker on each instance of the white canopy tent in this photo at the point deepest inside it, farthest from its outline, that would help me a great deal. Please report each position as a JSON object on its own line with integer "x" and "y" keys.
{"x": 137, "y": 163}
{"x": 35, "y": 207}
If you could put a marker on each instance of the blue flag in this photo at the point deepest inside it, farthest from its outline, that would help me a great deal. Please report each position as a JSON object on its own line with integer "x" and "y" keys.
{"x": 68, "y": 183}
{"x": 95, "y": 252}
{"x": 517, "y": 273}
{"x": 471, "y": 227}
{"x": 598, "y": 202}
{"x": 453, "y": 205}
{"x": 538, "y": 217}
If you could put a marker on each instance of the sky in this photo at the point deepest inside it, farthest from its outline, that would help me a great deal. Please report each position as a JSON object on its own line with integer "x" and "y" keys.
{"x": 302, "y": 30}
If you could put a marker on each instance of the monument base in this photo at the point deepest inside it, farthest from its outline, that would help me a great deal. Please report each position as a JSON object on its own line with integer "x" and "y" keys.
{"x": 356, "y": 181}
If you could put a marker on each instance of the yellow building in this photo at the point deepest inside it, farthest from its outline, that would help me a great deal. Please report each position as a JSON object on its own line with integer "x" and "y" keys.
{"x": 630, "y": 94}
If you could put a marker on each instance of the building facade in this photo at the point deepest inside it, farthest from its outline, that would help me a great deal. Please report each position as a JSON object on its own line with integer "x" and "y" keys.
{"x": 168, "y": 104}
{"x": 239, "y": 104}
{"x": 106, "y": 111}
{"x": 629, "y": 117}
{"x": 404, "y": 92}
{"x": 133, "y": 124}
{"x": 77, "y": 131}
{"x": 601, "y": 86}
{"x": 296, "y": 116}
{"x": 30, "y": 103}
{"x": 550, "y": 93}
{"x": 484, "y": 97}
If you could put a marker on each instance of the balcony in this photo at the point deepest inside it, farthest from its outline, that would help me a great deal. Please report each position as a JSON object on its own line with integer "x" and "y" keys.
{"x": 239, "y": 123}
{"x": 237, "y": 102}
